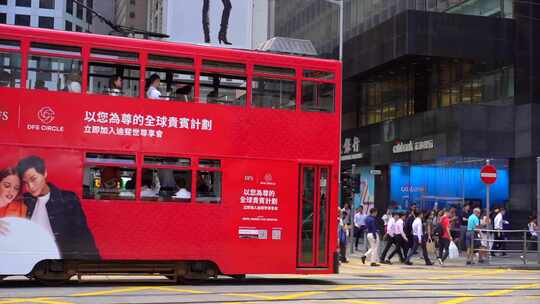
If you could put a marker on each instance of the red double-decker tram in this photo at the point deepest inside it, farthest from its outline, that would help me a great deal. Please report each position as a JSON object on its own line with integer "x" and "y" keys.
{"x": 123, "y": 155}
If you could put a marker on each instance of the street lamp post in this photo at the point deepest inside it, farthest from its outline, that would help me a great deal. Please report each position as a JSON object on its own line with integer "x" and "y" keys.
{"x": 341, "y": 4}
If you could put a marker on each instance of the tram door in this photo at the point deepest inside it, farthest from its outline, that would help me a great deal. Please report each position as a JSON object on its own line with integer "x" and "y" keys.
{"x": 313, "y": 217}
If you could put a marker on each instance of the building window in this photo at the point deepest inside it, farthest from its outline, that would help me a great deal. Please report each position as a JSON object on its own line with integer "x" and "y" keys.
{"x": 49, "y": 4}
{"x": 46, "y": 22}
{"x": 24, "y": 3}
{"x": 79, "y": 11}
{"x": 90, "y": 4}
{"x": 69, "y": 7}
{"x": 22, "y": 20}
{"x": 3, "y": 2}
{"x": 69, "y": 26}
{"x": 3, "y": 18}
{"x": 78, "y": 28}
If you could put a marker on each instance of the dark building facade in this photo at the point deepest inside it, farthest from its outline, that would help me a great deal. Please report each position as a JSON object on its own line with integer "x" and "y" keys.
{"x": 432, "y": 91}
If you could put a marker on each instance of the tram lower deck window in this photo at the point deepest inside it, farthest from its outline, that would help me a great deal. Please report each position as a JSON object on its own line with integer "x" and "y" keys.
{"x": 167, "y": 185}
{"x": 109, "y": 183}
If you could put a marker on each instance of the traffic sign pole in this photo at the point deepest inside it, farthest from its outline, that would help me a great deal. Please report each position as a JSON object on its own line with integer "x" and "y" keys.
{"x": 487, "y": 199}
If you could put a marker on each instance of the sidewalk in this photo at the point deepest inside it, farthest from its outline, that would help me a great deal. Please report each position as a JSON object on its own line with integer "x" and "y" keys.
{"x": 510, "y": 261}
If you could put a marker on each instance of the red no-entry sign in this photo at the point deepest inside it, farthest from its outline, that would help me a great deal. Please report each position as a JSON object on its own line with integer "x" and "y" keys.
{"x": 488, "y": 174}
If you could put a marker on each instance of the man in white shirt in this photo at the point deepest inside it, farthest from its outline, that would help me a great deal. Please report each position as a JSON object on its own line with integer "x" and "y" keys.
{"x": 400, "y": 239}
{"x": 498, "y": 224}
{"x": 390, "y": 237}
{"x": 359, "y": 225}
{"x": 419, "y": 239}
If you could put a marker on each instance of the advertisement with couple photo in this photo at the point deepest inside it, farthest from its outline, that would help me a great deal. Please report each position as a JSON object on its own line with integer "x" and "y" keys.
{"x": 38, "y": 220}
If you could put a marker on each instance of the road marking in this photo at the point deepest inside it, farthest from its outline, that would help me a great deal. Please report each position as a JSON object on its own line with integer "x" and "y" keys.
{"x": 33, "y": 300}
{"x": 172, "y": 289}
{"x": 351, "y": 287}
{"x": 492, "y": 293}
{"x": 134, "y": 289}
{"x": 443, "y": 292}
{"x": 274, "y": 298}
{"x": 360, "y": 302}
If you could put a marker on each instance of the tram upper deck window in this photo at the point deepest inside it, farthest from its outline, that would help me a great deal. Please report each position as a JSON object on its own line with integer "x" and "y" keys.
{"x": 318, "y": 97}
{"x": 10, "y": 64}
{"x": 166, "y": 179}
{"x": 223, "y": 89}
{"x": 209, "y": 181}
{"x": 223, "y": 83}
{"x": 173, "y": 85}
{"x": 274, "y": 92}
{"x": 318, "y": 74}
{"x": 113, "y": 73}
{"x": 54, "y": 68}
{"x": 109, "y": 177}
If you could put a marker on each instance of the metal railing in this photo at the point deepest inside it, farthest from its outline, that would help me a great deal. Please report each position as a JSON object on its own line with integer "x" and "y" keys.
{"x": 488, "y": 240}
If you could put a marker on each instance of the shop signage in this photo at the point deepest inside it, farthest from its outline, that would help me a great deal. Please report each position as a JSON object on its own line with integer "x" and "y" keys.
{"x": 351, "y": 145}
{"x": 410, "y": 146}
{"x": 375, "y": 172}
{"x": 352, "y": 156}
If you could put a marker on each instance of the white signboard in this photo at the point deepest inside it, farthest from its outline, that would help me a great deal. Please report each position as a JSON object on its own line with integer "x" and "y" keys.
{"x": 211, "y": 21}
{"x": 410, "y": 146}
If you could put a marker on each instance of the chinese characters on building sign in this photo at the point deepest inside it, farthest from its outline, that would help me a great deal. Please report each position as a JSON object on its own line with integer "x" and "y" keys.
{"x": 351, "y": 145}
{"x": 138, "y": 125}
{"x": 259, "y": 199}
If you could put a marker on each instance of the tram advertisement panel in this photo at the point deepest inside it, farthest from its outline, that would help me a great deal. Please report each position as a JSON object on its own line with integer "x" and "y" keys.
{"x": 39, "y": 218}
{"x": 43, "y": 215}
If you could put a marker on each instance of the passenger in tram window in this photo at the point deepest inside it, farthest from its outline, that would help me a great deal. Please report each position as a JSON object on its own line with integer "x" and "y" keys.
{"x": 10, "y": 188}
{"x": 203, "y": 187}
{"x": 40, "y": 85}
{"x": 214, "y": 94}
{"x": 115, "y": 86}
{"x": 152, "y": 91}
{"x": 183, "y": 93}
{"x": 5, "y": 79}
{"x": 183, "y": 193}
{"x": 147, "y": 184}
{"x": 57, "y": 211}
{"x": 73, "y": 83}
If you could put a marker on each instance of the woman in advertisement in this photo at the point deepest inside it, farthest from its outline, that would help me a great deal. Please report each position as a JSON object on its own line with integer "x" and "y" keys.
{"x": 10, "y": 187}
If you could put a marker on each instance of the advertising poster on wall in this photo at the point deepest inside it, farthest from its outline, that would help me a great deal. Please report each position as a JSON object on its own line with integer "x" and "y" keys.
{"x": 219, "y": 23}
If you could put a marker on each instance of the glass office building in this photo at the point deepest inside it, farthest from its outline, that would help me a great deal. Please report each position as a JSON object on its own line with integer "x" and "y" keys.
{"x": 432, "y": 89}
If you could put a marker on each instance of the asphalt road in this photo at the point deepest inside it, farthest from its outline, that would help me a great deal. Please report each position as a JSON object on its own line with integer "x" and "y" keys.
{"x": 356, "y": 284}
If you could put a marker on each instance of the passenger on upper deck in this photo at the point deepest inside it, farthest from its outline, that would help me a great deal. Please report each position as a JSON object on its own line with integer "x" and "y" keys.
{"x": 73, "y": 83}
{"x": 152, "y": 91}
{"x": 183, "y": 93}
{"x": 5, "y": 79}
{"x": 115, "y": 86}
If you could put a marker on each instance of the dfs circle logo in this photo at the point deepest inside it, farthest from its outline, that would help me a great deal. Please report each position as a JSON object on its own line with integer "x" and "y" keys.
{"x": 46, "y": 115}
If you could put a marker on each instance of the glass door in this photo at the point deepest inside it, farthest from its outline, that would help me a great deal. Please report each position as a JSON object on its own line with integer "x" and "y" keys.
{"x": 313, "y": 216}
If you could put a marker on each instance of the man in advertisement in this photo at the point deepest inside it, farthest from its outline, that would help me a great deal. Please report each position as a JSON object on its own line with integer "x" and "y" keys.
{"x": 57, "y": 211}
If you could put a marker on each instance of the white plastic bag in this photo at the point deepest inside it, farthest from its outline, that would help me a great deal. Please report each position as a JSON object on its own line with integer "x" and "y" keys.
{"x": 453, "y": 251}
